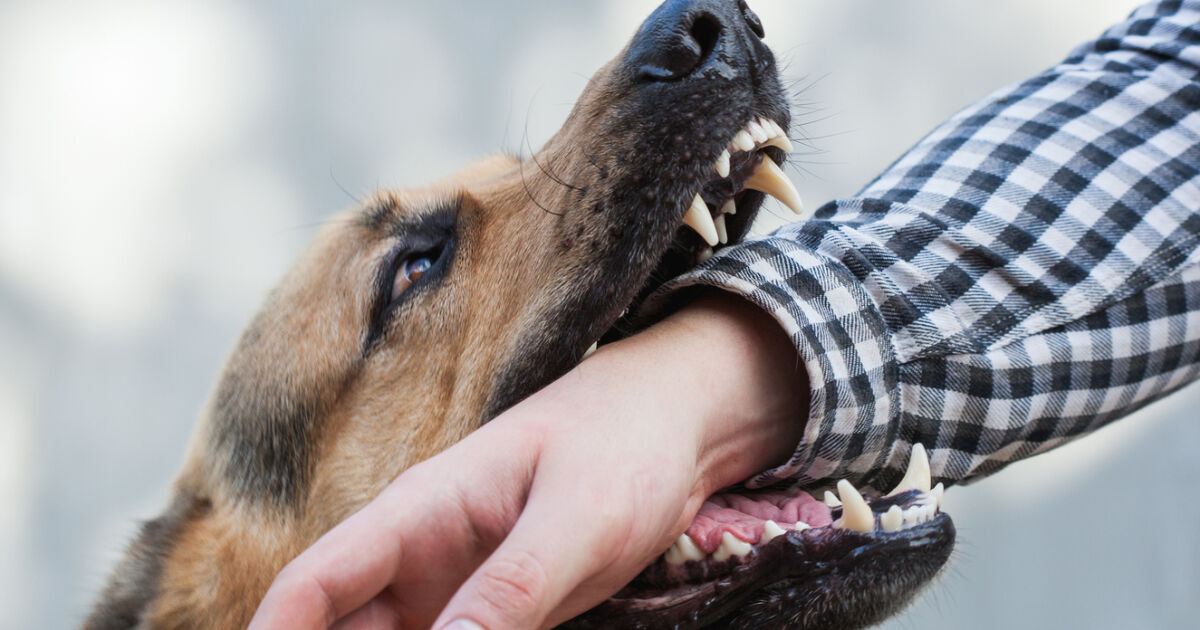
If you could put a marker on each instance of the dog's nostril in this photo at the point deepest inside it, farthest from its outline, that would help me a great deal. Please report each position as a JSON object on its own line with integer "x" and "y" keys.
{"x": 752, "y": 19}
{"x": 706, "y": 30}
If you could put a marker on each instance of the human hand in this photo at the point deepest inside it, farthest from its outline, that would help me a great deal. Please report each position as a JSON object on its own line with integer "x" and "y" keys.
{"x": 560, "y": 501}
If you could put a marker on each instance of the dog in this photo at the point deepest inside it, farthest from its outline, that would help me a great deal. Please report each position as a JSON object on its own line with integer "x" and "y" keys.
{"x": 419, "y": 316}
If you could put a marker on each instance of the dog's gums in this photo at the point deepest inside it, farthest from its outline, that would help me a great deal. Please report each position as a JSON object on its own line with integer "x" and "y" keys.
{"x": 426, "y": 313}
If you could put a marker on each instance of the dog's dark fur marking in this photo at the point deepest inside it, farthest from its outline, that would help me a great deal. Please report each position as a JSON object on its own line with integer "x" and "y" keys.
{"x": 266, "y": 429}
{"x": 125, "y": 600}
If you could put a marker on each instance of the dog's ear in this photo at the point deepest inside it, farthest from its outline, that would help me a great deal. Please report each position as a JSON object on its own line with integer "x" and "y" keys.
{"x": 134, "y": 585}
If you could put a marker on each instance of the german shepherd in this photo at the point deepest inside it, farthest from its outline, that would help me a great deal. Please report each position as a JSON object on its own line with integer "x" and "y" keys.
{"x": 419, "y": 316}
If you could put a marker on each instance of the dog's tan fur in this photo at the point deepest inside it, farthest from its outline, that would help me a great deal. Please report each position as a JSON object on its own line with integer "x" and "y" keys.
{"x": 307, "y": 425}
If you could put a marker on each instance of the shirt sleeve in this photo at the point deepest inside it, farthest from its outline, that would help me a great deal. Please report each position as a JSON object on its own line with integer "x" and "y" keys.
{"x": 1027, "y": 273}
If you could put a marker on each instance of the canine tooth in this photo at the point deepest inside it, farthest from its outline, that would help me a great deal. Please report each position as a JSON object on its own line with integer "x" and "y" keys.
{"x": 688, "y": 549}
{"x": 743, "y": 141}
{"x": 893, "y": 520}
{"x": 722, "y": 165}
{"x": 699, "y": 219}
{"x": 591, "y": 349}
{"x": 856, "y": 515}
{"x": 771, "y": 531}
{"x": 938, "y": 492}
{"x": 831, "y": 500}
{"x": 722, "y": 233}
{"x": 917, "y": 476}
{"x": 783, "y": 142}
{"x": 770, "y": 179}
{"x": 757, "y": 132}
{"x": 731, "y": 546}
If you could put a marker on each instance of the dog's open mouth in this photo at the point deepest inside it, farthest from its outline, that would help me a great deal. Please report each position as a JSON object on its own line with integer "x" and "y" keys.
{"x": 787, "y": 560}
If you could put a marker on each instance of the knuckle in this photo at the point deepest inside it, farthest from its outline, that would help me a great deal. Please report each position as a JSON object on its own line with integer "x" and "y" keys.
{"x": 296, "y": 587}
{"x": 514, "y": 586}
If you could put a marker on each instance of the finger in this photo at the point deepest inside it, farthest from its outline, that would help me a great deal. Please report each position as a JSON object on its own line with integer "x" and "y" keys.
{"x": 379, "y": 614}
{"x": 344, "y": 570}
{"x": 542, "y": 561}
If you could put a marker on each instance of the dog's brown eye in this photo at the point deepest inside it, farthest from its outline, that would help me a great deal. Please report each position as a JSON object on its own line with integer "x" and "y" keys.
{"x": 409, "y": 273}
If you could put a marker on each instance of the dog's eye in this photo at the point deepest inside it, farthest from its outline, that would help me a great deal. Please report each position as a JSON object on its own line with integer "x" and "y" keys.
{"x": 409, "y": 273}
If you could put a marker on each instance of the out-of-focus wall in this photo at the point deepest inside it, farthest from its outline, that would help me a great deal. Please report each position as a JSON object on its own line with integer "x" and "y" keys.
{"x": 162, "y": 162}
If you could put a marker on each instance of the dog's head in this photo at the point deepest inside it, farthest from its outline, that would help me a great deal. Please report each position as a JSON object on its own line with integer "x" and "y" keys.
{"x": 418, "y": 317}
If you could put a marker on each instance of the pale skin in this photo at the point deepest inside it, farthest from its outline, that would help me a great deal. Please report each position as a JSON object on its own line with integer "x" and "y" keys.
{"x": 561, "y": 500}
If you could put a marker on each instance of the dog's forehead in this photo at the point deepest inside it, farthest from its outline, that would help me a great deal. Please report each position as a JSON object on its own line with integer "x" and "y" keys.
{"x": 402, "y": 209}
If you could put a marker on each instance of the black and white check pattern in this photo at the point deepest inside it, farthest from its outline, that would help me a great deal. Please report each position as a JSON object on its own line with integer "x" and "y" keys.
{"x": 1027, "y": 273}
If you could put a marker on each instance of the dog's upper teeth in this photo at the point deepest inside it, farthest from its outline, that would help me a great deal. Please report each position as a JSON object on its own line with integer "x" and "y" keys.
{"x": 743, "y": 141}
{"x": 917, "y": 477}
{"x": 722, "y": 233}
{"x": 722, "y": 164}
{"x": 771, "y": 179}
{"x": 587, "y": 353}
{"x": 757, "y": 132}
{"x": 730, "y": 207}
{"x": 699, "y": 219}
{"x": 856, "y": 514}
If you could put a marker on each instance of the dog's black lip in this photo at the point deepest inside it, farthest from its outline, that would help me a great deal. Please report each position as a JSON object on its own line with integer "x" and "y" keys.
{"x": 810, "y": 556}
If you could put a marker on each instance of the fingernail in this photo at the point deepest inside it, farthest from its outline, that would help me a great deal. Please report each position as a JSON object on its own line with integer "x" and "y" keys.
{"x": 463, "y": 624}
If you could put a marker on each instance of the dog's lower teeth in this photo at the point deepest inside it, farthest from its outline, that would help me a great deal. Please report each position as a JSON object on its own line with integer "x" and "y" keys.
{"x": 917, "y": 476}
{"x": 893, "y": 520}
{"x": 856, "y": 514}
{"x": 731, "y": 546}
{"x": 770, "y": 532}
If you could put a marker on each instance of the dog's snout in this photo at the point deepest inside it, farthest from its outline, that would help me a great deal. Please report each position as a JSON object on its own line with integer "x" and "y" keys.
{"x": 683, "y": 36}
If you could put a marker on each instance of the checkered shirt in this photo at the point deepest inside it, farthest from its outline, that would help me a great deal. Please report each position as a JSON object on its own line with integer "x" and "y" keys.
{"x": 1026, "y": 274}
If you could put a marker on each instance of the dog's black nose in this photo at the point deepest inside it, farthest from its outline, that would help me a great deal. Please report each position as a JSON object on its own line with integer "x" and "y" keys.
{"x": 684, "y": 36}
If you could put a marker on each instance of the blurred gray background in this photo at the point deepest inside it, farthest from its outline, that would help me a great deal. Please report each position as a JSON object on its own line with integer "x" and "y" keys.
{"x": 162, "y": 162}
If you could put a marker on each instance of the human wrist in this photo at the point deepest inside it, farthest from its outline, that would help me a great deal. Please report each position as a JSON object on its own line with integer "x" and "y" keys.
{"x": 733, "y": 381}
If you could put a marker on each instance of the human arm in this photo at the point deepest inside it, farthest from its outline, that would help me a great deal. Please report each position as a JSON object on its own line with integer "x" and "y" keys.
{"x": 1021, "y": 277}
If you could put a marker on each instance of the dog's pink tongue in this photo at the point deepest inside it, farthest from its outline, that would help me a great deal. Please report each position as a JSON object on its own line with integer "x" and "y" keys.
{"x": 746, "y": 516}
